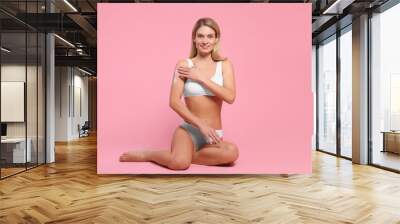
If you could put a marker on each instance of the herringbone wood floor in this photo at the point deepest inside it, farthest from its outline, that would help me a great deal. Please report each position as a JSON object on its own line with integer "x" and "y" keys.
{"x": 70, "y": 191}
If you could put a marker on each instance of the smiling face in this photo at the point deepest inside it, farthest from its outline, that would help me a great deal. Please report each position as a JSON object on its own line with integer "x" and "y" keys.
{"x": 205, "y": 40}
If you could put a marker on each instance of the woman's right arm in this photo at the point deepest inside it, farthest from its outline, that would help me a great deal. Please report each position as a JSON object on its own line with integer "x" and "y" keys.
{"x": 175, "y": 101}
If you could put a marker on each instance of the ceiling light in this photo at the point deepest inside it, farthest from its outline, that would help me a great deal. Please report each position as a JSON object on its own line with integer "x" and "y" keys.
{"x": 84, "y": 71}
{"x": 64, "y": 40}
{"x": 70, "y": 5}
{"x": 5, "y": 50}
{"x": 338, "y": 6}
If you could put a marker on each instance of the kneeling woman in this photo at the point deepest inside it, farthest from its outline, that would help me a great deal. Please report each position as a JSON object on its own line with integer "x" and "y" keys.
{"x": 205, "y": 79}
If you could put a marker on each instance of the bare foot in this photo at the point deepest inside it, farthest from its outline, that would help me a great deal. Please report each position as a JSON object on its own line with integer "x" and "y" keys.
{"x": 133, "y": 156}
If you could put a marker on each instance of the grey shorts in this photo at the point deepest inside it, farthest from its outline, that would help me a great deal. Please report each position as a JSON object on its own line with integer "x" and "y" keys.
{"x": 197, "y": 137}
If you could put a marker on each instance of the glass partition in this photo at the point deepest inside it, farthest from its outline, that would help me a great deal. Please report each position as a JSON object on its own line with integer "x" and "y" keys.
{"x": 14, "y": 153}
{"x": 22, "y": 77}
{"x": 32, "y": 95}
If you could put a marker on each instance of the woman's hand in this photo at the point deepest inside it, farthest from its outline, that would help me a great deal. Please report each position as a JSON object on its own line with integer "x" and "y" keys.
{"x": 209, "y": 134}
{"x": 190, "y": 73}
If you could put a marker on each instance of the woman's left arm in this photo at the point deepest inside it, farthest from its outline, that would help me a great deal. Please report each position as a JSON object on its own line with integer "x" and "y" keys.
{"x": 227, "y": 92}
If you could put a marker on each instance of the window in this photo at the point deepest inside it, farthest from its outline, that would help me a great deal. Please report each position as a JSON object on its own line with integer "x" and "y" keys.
{"x": 385, "y": 88}
{"x": 327, "y": 95}
{"x": 346, "y": 74}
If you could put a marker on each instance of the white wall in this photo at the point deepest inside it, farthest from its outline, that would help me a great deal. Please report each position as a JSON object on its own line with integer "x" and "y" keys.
{"x": 80, "y": 83}
{"x": 61, "y": 103}
{"x": 70, "y": 83}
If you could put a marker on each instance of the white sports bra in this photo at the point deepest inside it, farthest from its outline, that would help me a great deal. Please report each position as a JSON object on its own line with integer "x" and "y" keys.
{"x": 193, "y": 88}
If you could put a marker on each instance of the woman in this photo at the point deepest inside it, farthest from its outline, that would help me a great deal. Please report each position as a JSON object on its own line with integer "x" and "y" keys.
{"x": 206, "y": 80}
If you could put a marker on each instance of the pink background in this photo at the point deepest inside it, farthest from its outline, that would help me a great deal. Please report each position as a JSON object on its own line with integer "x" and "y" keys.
{"x": 270, "y": 48}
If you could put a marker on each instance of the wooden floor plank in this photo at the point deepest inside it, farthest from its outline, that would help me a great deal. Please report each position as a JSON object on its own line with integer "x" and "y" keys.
{"x": 70, "y": 191}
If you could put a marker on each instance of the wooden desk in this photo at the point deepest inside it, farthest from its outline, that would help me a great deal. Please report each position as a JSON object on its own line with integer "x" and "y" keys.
{"x": 391, "y": 141}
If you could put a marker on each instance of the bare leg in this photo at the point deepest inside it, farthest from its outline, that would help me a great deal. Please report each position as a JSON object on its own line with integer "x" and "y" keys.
{"x": 224, "y": 153}
{"x": 148, "y": 155}
{"x": 133, "y": 156}
{"x": 179, "y": 157}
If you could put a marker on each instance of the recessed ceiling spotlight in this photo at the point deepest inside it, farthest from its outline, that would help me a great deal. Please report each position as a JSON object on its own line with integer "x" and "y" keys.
{"x": 70, "y": 5}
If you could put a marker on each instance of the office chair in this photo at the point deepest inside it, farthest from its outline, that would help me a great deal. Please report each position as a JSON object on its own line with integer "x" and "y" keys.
{"x": 84, "y": 130}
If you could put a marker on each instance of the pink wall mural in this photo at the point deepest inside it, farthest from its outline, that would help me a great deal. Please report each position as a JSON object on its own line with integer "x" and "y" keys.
{"x": 269, "y": 45}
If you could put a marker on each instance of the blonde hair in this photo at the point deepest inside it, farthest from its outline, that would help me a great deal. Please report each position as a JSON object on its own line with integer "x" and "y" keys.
{"x": 213, "y": 25}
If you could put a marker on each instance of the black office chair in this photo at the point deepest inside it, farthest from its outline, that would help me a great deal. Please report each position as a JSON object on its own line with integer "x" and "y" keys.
{"x": 84, "y": 130}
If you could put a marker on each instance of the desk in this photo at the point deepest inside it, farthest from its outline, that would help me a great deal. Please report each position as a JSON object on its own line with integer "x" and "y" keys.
{"x": 391, "y": 141}
{"x": 17, "y": 151}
